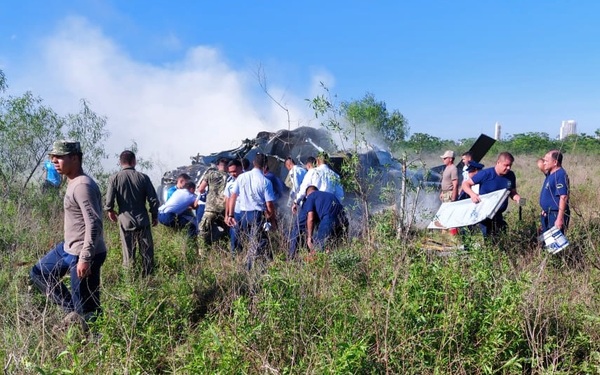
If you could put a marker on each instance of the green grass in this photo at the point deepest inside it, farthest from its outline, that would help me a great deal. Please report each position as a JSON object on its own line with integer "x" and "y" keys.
{"x": 385, "y": 306}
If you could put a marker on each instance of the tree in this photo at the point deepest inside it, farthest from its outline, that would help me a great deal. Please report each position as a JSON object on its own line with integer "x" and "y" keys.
{"x": 28, "y": 128}
{"x": 373, "y": 116}
{"x": 421, "y": 142}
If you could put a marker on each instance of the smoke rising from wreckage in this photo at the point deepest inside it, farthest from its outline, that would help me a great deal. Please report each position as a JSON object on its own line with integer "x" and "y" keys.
{"x": 378, "y": 167}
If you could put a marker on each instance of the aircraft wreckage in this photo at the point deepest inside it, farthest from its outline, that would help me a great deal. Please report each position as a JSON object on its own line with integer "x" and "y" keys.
{"x": 378, "y": 168}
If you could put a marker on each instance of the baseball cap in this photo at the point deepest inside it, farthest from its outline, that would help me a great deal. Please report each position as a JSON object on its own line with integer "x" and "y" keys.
{"x": 474, "y": 166}
{"x": 448, "y": 154}
{"x": 64, "y": 147}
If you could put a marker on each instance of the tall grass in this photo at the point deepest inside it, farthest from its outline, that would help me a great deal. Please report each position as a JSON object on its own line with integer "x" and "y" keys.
{"x": 385, "y": 306}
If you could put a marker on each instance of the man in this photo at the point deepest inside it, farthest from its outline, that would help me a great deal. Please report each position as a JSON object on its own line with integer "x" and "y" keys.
{"x": 83, "y": 251}
{"x": 212, "y": 225}
{"x": 278, "y": 186}
{"x": 234, "y": 168}
{"x": 177, "y": 211}
{"x": 323, "y": 178}
{"x": 466, "y": 159}
{"x": 131, "y": 190}
{"x": 179, "y": 182}
{"x": 472, "y": 170}
{"x": 311, "y": 163}
{"x": 294, "y": 178}
{"x": 554, "y": 197}
{"x": 492, "y": 179}
{"x": 449, "y": 185}
{"x": 256, "y": 204}
{"x": 324, "y": 209}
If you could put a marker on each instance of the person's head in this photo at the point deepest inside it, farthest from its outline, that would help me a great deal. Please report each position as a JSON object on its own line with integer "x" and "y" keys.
{"x": 289, "y": 163}
{"x": 311, "y": 162}
{"x": 448, "y": 157}
{"x": 66, "y": 157}
{"x": 466, "y": 157}
{"x": 541, "y": 166}
{"x": 310, "y": 189}
{"x": 260, "y": 160}
{"x": 504, "y": 163}
{"x": 222, "y": 164}
{"x": 182, "y": 179}
{"x": 127, "y": 159}
{"x": 245, "y": 164}
{"x": 552, "y": 160}
{"x": 322, "y": 158}
{"x": 189, "y": 186}
{"x": 234, "y": 168}
{"x": 473, "y": 168}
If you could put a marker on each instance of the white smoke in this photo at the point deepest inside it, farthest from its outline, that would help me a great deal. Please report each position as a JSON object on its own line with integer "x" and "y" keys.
{"x": 199, "y": 104}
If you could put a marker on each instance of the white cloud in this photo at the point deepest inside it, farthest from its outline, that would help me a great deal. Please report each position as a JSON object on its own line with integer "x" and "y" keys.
{"x": 196, "y": 105}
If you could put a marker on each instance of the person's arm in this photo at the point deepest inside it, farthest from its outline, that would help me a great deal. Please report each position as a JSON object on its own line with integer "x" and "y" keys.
{"x": 562, "y": 207}
{"x": 454, "y": 190}
{"x": 109, "y": 206}
{"x": 466, "y": 186}
{"x": 271, "y": 214}
{"x": 85, "y": 196}
{"x": 230, "y": 218}
{"x": 202, "y": 187}
{"x": 153, "y": 201}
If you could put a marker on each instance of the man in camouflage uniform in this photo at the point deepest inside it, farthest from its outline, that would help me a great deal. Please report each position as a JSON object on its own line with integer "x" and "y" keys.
{"x": 212, "y": 226}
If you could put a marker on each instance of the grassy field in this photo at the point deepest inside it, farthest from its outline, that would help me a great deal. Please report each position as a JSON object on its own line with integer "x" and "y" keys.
{"x": 381, "y": 306}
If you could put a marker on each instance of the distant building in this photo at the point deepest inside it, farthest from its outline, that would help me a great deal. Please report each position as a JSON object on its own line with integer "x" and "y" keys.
{"x": 567, "y": 128}
{"x": 497, "y": 131}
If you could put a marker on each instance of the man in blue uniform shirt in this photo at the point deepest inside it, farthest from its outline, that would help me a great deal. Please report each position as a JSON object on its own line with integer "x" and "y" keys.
{"x": 492, "y": 179}
{"x": 324, "y": 209}
{"x": 554, "y": 197}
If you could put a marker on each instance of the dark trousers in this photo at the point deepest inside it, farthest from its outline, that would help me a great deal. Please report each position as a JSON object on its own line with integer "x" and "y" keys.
{"x": 234, "y": 240}
{"x": 142, "y": 240}
{"x": 84, "y": 297}
{"x": 179, "y": 222}
{"x": 330, "y": 230}
{"x": 252, "y": 235}
{"x": 297, "y": 238}
{"x": 549, "y": 217}
{"x": 493, "y": 227}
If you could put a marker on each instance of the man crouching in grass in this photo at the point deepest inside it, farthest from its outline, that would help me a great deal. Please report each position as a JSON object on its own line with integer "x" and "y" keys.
{"x": 83, "y": 251}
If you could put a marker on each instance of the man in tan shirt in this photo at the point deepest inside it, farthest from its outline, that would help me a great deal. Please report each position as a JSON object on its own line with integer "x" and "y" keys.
{"x": 449, "y": 189}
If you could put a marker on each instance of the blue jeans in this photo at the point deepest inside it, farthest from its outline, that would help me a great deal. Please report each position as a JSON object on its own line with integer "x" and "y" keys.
{"x": 234, "y": 241}
{"x": 179, "y": 222}
{"x": 84, "y": 297}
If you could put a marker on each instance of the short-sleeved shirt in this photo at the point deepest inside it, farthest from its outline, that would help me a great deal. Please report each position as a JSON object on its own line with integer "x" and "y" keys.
{"x": 325, "y": 205}
{"x": 490, "y": 181}
{"x": 253, "y": 190}
{"x": 450, "y": 174}
{"x": 227, "y": 193}
{"x": 555, "y": 185}
{"x": 278, "y": 186}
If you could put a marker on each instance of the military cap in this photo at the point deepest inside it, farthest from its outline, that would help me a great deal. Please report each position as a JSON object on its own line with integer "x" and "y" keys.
{"x": 64, "y": 147}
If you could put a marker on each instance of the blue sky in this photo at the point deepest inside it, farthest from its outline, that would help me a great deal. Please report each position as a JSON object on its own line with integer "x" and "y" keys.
{"x": 179, "y": 77}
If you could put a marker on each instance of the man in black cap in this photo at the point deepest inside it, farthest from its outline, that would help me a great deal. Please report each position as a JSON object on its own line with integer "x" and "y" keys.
{"x": 83, "y": 250}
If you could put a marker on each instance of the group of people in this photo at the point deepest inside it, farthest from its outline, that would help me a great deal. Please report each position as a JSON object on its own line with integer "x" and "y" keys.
{"x": 477, "y": 180}
{"x": 230, "y": 195}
